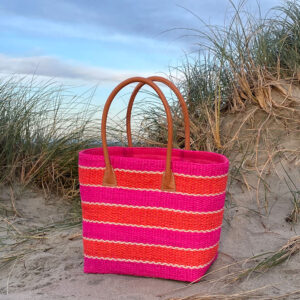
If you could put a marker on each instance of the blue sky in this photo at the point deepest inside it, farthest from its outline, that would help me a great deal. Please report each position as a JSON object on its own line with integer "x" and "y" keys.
{"x": 90, "y": 42}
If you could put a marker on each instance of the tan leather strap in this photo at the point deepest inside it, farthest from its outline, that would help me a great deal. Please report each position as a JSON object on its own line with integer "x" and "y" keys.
{"x": 109, "y": 179}
{"x": 181, "y": 101}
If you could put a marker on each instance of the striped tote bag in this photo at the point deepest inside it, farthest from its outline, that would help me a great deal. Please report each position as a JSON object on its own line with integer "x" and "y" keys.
{"x": 154, "y": 212}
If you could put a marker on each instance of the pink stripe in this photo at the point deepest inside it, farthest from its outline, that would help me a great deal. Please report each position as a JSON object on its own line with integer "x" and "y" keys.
{"x": 153, "y": 159}
{"x": 150, "y": 198}
{"x": 150, "y": 235}
{"x": 142, "y": 269}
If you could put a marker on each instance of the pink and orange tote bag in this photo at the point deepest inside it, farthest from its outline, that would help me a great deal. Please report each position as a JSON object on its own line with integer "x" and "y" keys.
{"x": 154, "y": 212}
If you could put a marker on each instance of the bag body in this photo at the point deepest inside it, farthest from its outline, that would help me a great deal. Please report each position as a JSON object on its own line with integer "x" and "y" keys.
{"x": 136, "y": 228}
{"x": 135, "y": 224}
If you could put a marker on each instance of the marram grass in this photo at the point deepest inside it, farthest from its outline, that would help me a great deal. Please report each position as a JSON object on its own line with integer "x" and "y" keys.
{"x": 42, "y": 128}
{"x": 246, "y": 73}
{"x": 236, "y": 64}
{"x": 258, "y": 264}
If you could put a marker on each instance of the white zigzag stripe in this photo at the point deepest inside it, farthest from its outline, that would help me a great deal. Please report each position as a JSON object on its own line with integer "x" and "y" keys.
{"x": 151, "y": 262}
{"x": 152, "y": 227}
{"x": 151, "y": 190}
{"x": 154, "y": 208}
{"x": 151, "y": 245}
{"x": 153, "y": 172}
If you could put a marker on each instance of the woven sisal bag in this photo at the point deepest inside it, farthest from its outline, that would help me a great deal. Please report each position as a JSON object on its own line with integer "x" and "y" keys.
{"x": 153, "y": 212}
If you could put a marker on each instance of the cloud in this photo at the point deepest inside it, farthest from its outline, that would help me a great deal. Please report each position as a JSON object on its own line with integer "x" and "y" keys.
{"x": 120, "y": 21}
{"x": 148, "y": 19}
{"x": 56, "y": 68}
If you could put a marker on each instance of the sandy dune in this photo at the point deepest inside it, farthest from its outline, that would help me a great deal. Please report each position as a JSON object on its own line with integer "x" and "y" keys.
{"x": 53, "y": 266}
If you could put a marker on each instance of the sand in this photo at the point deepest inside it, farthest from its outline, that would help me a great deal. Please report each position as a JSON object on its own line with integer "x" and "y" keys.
{"x": 53, "y": 268}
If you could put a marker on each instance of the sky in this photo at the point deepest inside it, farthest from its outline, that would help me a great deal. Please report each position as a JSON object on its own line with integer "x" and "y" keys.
{"x": 101, "y": 42}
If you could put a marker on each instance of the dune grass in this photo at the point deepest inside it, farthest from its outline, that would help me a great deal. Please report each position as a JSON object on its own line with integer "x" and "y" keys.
{"x": 244, "y": 72}
{"x": 42, "y": 128}
{"x": 17, "y": 243}
{"x": 243, "y": 295}
{"x": 238, "y": 63}
{"x": 253, "y": 266}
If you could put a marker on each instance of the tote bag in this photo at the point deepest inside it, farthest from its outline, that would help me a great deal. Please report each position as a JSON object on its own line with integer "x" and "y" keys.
{"x": 154, "y": 212}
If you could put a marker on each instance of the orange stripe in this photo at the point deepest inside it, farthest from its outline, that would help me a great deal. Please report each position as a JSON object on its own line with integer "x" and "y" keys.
{"x": 143, "y": 216}
{"x": 148, "y": 253}
{"x": 188, "y": 185}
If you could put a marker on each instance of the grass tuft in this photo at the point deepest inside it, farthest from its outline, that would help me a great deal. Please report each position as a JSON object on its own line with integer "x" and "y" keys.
{"x": 240, "y": 92}
{"x": 42, "y": 128}
{"x": 259, "y": 264}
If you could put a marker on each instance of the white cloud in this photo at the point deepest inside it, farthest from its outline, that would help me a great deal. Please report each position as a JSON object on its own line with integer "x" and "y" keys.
{"x": 90, "y": 32}
{"x": 53, "y": 67}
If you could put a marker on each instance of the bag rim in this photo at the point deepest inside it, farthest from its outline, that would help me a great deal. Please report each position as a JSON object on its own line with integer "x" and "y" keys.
{"x": 183, "y": 156}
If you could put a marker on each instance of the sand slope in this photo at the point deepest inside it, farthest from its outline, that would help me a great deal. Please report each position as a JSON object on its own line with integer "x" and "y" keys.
{"x": 53, "y": 268}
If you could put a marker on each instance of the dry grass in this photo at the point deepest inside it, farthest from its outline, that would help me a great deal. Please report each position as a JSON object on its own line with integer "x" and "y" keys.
{"x": 251, "y": 294}
{"x": 253, "y": 266}
{"x": 240, "y": 94}
{"x": 42, "y": 128}
{"x": 16, "y": 241}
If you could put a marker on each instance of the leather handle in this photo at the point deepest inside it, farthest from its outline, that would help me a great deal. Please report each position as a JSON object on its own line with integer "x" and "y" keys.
{"x": 185, "y": 113}
{"x": 109, "y": 179}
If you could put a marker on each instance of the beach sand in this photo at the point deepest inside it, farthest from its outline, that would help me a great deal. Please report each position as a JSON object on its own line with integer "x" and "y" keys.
{"x": 53, "y": 265}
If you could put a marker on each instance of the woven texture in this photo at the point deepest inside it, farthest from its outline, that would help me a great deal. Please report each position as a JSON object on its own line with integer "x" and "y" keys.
{"x": 138, "y": 229}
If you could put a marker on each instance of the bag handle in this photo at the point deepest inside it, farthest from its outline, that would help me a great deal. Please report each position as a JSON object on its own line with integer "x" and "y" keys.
{"x": 172, "y": 86}
{"x": 109, "y": 178}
